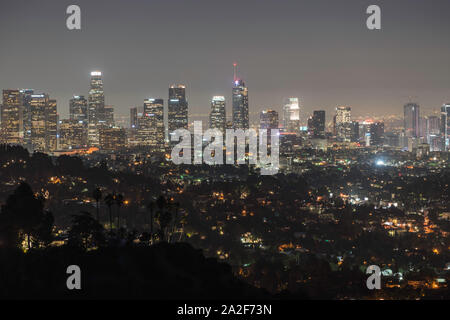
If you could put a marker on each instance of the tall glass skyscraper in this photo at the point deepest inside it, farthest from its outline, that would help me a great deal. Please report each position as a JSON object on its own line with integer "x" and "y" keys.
{"x": 78, "y": 109}
{"x": 240, "y": 105}
{"x": 412, "y": 120}
{"x": 177, "y": 108}
{"x": 445, "y": 127}
{"x": 343, "y": 124}
{"x": 151, "y": 124}
{"x": 291, "y": 115}
{"x": 218, "y": 117}
{"x": 96, "y": 99}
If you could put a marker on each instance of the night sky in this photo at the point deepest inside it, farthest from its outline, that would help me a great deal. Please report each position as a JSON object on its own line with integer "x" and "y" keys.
{"x": 320, "y": 51}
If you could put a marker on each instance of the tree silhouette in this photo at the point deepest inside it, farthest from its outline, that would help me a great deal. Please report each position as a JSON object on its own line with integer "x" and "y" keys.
{"x": 119, "y": 202}
{"x": 24, "y": 214}
{"x": 109, "y": 200}
{"x": 85, "y": 232}
{"x": 151, "y": 207}
{"x": 97, "y": 195}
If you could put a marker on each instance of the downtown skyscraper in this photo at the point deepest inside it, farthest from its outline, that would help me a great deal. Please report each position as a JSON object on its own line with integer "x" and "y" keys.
{"x": 343, "y": 124}
{"x": 78, "y": 109}
{"x": 412, "y": 120}
{"x": 240, "y": 112}
{"x": 218, "y": 116}
{"x": 12, "y": 117}
{"x": 445, "y": 127}
{"x": 151, "y": 129}
{"x": 177, "y": 108}
{"x": 291, "y": 115}
{"x": 96, "y": 108}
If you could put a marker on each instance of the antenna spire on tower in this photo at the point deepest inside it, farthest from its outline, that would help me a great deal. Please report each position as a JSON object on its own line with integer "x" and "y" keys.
{"x": 235, "y": 71}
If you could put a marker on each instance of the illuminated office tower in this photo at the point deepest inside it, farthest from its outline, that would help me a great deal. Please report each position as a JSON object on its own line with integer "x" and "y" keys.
{"x": 291, "y": 115}
{"x": 72, "y": 134}
{"x": 240, "y": 105}
{"x": 151, "y": 129}
{"x": 177, "y": 108}
{"x": 51, "y": 126}
{"x": 134, "y": 118}
{"x": 218, "y": 115}
{"x": 445, "y": 127}
{"x": 109, "y": 116}
{"x": 317, "y": 127}
{"x": 268, "y": 120}
{"x": 39, "y": 104}
{"x": 26, "y": 96}
{"x": 112, "y": 139}
{"x": 343, "y": 124}
{"x": 78, "y": 109}
{"x": 411, "y": 120}
{"x": 96, "y": 99}
{"x": 96, "y": 109}
{"x": 432, "y": 132}
{"x": 12, "y": 117}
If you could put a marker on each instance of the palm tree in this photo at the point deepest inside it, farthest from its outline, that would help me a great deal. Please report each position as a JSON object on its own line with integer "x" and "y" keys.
{"x": 119, "y": 203}
{"x": 151, "y": 207}
{"x": 109, "y": 200}
{"x": 97, "y": 195}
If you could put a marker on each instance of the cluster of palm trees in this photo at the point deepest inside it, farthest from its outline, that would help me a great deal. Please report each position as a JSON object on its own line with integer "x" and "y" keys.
{"x": 164, "y": 212}
{"x": 110, "y": 200}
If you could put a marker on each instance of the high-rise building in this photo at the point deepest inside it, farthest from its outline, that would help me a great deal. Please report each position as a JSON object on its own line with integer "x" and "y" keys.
{"x": 218, "y": 116}
{"x": 151, "y": 125}
{"x": 134, "y": 118}
{"x": 51, "y": 126}
{"x": 269, "y": 120}
{"x": 411, "y": 120}
{"x": 78, "y": 109}
{"x": 445, "y": 127}
{"x": 72, "y": 134}
{"x": 26, "y": 95}
{"x": 12, "y": 117}
{"x": 343, "y": 124}
{"x": 96, "y": 99}
{"x": 376, "y": 131}
{"x": 291, "y": 115}
{"x": 44, "y": 123}
{"x": 240, "y": 105}
{"x": 112, "y": 139}
{"x": 177, "y": 108}
{"x": 317, "y": 127}
{"x": 109, "y": 116}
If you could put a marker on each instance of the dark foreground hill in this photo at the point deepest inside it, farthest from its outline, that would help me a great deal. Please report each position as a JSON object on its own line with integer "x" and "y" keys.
{"x": 163, "y": 271}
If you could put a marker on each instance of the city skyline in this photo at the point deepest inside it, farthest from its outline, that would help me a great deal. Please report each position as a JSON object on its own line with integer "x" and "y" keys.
{"x": 274, "y": 67}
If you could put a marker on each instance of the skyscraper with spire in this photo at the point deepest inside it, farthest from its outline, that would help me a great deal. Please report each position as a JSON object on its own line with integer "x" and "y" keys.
{"x": 240, "y": 103}
{"x": 96, "y": 108}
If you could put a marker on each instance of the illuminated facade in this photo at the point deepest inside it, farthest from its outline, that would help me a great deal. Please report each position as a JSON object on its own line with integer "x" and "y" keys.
{"x": 445, "y": 127}
{"x": 12, "y": 117}
{"x": 109, "y": 116}
{"x": 269, "y": 120}
{"x": 218, "y": 116}
{"x": 412, "y": 120}
{"x": 44, "y": 123}
{"x": 343, "y": 124}
{"x": 177, "y": 108}
{"x": 112, "y": 139}
{"x": 72, "y": 134}
{"x": 240, "y": 105}
{"x": 151, "y": 127}
{"x": 96, "y": 112}
{"x": 78, "y": 109}
{"x": 291, "y": 115}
